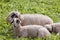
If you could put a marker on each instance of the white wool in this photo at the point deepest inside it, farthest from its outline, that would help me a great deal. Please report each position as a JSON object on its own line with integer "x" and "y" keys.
{"x": 30, "y": 30}
{"x": 55, "y": 28}
{"x": 30, "y": 19}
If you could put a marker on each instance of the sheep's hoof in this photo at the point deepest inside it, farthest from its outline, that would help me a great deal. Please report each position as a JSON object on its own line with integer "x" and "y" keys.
{"x": 14, "y": 36}
{"x": 19, "y": 36}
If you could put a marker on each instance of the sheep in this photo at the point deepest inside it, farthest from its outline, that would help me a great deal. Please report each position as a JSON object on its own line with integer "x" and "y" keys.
{"x": 29, "y": 30}
{"x": 30, "y": 19}
{"x": 55, "y": 28}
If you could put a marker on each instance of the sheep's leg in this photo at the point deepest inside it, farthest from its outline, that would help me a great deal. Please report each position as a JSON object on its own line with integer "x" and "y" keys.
{"x": 40, "y": 34}
{"x": 24, "y": 34}
{"x": 14, "y": 34}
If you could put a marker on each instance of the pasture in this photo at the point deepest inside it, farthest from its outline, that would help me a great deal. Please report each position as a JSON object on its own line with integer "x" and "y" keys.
{"x": 45, "y": 7}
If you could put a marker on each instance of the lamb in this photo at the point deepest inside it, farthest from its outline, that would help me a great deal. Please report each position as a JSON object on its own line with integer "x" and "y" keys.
{"x": 55, "y": 28}
{"x": 29, "y": 30}
{"x": 30, "y": 19}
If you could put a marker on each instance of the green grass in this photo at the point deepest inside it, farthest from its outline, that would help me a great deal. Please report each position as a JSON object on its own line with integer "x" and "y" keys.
{"x": 45, "y": 7}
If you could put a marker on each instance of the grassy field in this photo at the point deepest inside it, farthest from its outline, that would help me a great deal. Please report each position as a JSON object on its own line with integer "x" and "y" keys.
{"x": 45, "y": 7}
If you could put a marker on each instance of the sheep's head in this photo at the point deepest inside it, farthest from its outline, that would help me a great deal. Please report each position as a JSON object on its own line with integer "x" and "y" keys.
{"x": 16, "y": 22}
{"x": 13, "y": 14}
{"x": 49, "y": 27}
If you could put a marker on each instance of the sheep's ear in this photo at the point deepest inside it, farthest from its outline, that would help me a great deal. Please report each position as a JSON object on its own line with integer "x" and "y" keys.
{"x": 9, "y": 18}
{"x": 12, "y": 15}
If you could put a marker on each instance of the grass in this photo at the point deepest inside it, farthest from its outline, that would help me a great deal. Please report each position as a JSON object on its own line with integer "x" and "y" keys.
{"x": 45, "y": 7}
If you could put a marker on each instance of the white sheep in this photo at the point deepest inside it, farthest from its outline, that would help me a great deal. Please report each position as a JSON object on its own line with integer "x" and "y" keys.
{"x": 29, "y": 30}
{"x": 55, "y": 28}
{"x": 30, "y": 19}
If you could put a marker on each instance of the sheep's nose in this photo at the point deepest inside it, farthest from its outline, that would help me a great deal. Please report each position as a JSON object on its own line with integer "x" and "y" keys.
{"x": 14, "y": 26}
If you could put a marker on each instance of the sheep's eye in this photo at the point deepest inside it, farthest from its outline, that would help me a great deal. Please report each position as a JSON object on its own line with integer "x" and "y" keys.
{"x": 17, "y": 21}
{"x": 13, "y": 15}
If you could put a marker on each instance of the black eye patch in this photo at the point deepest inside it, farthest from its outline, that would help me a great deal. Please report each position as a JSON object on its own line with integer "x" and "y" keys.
{"x": 14, "y": 15}
{"x": 17, "y": 21}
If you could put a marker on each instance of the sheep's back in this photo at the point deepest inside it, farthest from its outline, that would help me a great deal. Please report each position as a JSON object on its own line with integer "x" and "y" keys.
{"x": 32, "y": 30}
{"x": 36, "y": 19}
